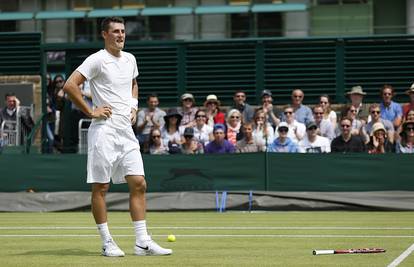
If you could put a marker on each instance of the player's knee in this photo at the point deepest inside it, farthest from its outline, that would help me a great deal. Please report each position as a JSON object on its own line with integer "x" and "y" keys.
{"x": 139, "y": 185}
{"x": 100, "y": 189}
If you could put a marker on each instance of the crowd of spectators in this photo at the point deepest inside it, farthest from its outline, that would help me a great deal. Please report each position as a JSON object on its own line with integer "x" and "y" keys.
{"x": 384, "y": 127}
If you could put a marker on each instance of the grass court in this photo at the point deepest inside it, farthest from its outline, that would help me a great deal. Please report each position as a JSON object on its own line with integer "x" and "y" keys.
{"x": 210, "y": 238}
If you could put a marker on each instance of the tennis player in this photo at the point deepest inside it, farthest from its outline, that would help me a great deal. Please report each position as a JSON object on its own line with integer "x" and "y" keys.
{"x": 113, "y": 151}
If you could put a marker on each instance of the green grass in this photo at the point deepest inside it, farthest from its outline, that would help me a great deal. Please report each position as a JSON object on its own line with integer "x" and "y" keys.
{"x": 210, "y": 239}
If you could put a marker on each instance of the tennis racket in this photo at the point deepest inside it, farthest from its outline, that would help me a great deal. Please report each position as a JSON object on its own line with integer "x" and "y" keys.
{"x": 348, "y": 251}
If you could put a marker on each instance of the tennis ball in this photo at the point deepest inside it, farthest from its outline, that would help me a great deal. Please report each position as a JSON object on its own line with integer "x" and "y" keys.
{"x": 171, "y": 238}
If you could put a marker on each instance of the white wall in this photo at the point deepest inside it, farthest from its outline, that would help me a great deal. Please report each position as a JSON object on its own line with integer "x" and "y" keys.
{"x": 184, "y": 26}
{"x": 213, "y": 26}
{"x": 297, "y": 23}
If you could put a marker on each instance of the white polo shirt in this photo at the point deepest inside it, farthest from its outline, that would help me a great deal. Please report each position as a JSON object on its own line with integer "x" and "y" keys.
{"x": 110, "y": 80}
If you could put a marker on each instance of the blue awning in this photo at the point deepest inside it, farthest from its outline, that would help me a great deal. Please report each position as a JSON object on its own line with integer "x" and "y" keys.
{"x": 166, "y": 11}
{"x": 15, "y": 15}
{"x": 99, "y": 13}
{"x": 261, "y": 8}
{"x": 221, "y": 9}
{"x": 68, "y": 14}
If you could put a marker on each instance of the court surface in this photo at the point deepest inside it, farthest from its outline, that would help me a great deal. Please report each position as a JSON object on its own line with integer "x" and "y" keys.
{"x": 211, "y": 239}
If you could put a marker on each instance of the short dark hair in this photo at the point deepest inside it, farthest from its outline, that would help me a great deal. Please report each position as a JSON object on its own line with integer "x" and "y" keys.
{"x": 105, "y": 23}
{"x": 9, "y": 94}
{"x": 152, "y": 95}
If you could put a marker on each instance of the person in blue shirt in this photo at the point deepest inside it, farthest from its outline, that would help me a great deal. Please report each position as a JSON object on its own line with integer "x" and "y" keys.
{"x": 219, "y": 145}
{"x": 283, "y": 144}
{"x": 303, "y": 114}
{"x": 390, "y": 110}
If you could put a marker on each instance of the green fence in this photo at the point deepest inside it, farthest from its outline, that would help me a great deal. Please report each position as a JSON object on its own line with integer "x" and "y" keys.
{"x": 316, "y": 65}
{"x": 255, "y": 171}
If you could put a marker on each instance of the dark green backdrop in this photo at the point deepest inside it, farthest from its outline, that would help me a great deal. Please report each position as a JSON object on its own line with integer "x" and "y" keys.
{"x": 256, "y": 171}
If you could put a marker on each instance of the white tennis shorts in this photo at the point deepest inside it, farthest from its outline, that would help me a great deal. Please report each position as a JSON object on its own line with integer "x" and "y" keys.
{"x": 112, "y": 154}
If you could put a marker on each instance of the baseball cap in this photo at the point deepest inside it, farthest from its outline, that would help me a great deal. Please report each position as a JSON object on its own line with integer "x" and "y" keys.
{"x": 266, "y": 92}
{"x": 186, "y": 96}
{"x": 188, "y": 131}
{"x": 311, "y": 124}
{"x": 218, "y": 126}
{"x": 283, "y": 125}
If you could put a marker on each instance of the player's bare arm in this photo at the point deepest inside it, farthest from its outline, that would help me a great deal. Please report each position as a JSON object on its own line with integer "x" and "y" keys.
{"x": 134, "y": 96}
{"x": 75, "y": 95}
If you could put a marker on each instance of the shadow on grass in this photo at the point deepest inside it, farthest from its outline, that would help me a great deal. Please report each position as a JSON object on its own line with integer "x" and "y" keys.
{"x": 61, "y": 252}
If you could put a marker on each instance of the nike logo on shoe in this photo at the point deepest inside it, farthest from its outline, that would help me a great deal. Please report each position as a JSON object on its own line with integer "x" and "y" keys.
{"x": 144, "y": 248}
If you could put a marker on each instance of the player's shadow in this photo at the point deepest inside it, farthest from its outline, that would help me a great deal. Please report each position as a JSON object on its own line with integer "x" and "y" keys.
{"x": 60, "y": 252}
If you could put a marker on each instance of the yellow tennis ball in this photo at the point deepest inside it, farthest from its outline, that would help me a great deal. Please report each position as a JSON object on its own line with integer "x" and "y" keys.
{"x": 171, "y": 238}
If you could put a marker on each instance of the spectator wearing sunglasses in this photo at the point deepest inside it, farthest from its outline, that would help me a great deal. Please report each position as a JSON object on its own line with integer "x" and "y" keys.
{"x": 325, "y": 127}
{"x": 155, "y": 144}
{"x": 233, "y": 125}
{"x": 351, "y": 112}
{"x": 375, "y": 113}
{"x": 346, "y": 142}
{"x": 328, "y": 114}
{"x": 190, "y": 145}
{"x": 297, "y": 130}
{"x": 187, "y": 110}
{"x": 213, "y": 112}
{"x": 390, "y": 110}
{"x": 283, "y": 144}
{"x": 409, "y": 106}
{"x": 379, "y": 143}
{"x": 203, "y": 133}
{"x": 406, "y": 143}
{"x": 241, "y": 105}
{"x": 314, "y": 143}
{"x": 303, "y": 114}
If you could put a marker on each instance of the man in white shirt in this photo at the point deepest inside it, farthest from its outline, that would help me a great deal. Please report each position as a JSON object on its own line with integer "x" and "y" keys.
{"x": 113, "y": 150}
{"x": 314, "y": 143}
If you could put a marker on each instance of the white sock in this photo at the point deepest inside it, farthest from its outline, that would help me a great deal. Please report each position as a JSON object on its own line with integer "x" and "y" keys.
{"x": 104, "y": 232}
{"x": 141, "y": 233}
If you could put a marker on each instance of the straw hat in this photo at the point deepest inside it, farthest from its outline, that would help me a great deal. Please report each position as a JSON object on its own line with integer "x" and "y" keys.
{"x": 356, "y": 90}
{"x": 378, "y": 126}
{"x": 411, "y": 90}
{"x": 212, "y": 98}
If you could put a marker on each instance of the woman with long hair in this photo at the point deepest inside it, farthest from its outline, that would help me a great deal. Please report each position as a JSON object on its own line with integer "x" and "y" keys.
{"x": 328, "y": 113}
{"x": 170, "y": 133}
{"x": 262, "y": 129}
{"x": 214, "y": 115}
{"x": 406, "y": 143}
{"x": 155, "y": 144}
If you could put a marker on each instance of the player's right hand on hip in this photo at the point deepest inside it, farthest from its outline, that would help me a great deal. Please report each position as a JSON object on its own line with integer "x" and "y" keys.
{"x": 103, "y": 112}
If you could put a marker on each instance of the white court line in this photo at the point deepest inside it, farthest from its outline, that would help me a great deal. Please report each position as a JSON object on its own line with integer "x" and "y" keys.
{"x": 214, "y": 235}
{"x": 400, "y": 258}
{"x": 209, "y": 228}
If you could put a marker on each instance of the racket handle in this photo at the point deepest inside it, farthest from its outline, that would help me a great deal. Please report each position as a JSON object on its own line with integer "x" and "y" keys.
{"x": 323, "y": 252}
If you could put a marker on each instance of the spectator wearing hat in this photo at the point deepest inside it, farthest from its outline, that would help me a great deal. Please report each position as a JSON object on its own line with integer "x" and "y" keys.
{"x": 379, "y": 143}
{"x": 409, "y": 106}
{"x": 190, "y": 145}
{"x": 219, "y": 145}
{"x": 406, "y": 143}
{"x": 375, "y": 112}
{"x": 203, "y": 133}
{"x": 214, "y": 115}
{"x": 271, "y": 112}
{"x": 149, "y": 118}
{"x": 187, "y": 110}
{"x": 248, "y": 144}
{"x": 170, "y": 133}
{"x": 283, "y": 144}
{"x": 314, "y": 143}
{"x": 356, "y": 95}
{"x": 325, "y": 127}
{"x": 303, "y": 114}
{"x": 297, "y": 130}
{"x": 328, "y": 114}
{"x": 240, "y": 104}
{"x": 390, "y": 110}
{"x": 155, "y": 144}
{"x": 233, "y": 125}
{"x": 262, "y": 129}
{"x": 346, "y": 142}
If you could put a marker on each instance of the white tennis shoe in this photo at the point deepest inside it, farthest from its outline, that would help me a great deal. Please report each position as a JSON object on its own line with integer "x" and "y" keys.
{"x": 150, "y": 248}
{"x": 111, "y": 249}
